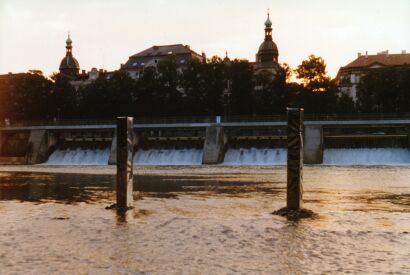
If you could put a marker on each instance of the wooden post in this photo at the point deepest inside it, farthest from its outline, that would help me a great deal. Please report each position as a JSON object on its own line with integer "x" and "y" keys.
{"x": 124, "y": 162}
{"x": 295, "y": 158}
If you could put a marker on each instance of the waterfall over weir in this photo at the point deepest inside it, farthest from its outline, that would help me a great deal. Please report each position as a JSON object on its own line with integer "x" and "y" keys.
{"x": 256, "y": 156}
{"x": 188, "y": 156}
{"x": 236, "y": 157}
{"x": 79, "y": 156}
{"x": 367, "y": 156}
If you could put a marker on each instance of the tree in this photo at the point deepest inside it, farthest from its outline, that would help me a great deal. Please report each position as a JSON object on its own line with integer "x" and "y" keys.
{"x": 287, "y": 71}
{"x": 241, "y": 75}
{"x": 270, "y": 95}
{"x": 26, "y": 96}
{"x": 169, "y": 92}
{"x": 385, "y": 90}
{"x": 108, "y": 98}
{"x": 312, "y": 71}
{"x": 64, "y": 100}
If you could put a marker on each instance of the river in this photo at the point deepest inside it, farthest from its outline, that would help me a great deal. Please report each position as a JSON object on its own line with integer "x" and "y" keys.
{"x": 204, "y": 219}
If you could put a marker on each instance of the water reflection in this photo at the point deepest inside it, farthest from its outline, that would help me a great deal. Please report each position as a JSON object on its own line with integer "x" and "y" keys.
{"x": 74, "y": 188}
{"x": 196, "y": 220}
{"x": 64, "y": 188}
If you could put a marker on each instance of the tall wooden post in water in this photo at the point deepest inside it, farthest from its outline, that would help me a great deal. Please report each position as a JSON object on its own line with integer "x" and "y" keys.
{"x": 295, "y": 158}
{"x": 124, "y": 162}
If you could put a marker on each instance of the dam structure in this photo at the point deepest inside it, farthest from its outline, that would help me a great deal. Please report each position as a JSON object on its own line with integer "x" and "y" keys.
{"x": 328, "y": 140}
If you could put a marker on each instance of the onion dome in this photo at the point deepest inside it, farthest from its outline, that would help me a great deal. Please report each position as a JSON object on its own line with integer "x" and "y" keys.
{"x": 69, "y": 65}
{"x": 268, "y": 51}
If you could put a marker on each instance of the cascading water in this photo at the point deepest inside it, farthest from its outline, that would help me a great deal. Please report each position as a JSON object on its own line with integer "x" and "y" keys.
{"x": 367, "y": 156}
{"x": 79, "y": 156}
{"x": 168, "y": 157}
{"x": 255, "y": 156}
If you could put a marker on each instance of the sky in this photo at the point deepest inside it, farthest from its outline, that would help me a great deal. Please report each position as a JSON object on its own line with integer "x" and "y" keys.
{"x": 106, "y": 32}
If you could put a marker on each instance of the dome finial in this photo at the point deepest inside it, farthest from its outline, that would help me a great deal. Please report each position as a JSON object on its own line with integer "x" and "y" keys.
{"x": 268, "y": 23}
{"x": 68, "y": 41}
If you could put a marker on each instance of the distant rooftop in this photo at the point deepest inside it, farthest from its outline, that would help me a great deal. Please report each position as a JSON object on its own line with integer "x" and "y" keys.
{"x": 166, "y": 50}
{"x": 383, "y": 58}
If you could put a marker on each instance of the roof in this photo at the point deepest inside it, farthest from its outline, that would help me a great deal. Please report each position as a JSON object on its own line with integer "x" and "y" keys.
{"x": 166, "y": 50}
{"x": 381, "y": 58}
{"x": 69, "y": 62}
{"x": 268, "y": 47}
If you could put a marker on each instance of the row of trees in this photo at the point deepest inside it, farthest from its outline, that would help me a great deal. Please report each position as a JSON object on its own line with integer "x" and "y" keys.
{"x": 215, "y": 88}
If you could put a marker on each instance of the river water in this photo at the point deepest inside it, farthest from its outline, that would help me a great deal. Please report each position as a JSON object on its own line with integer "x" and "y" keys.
{"x": 204, "y": 219}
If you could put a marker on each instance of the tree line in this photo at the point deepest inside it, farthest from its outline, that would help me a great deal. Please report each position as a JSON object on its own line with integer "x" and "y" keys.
{"x": 201, "y": 89}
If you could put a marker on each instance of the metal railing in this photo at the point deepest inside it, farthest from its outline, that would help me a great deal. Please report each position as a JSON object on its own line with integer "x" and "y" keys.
{"x": 204, "y": 119}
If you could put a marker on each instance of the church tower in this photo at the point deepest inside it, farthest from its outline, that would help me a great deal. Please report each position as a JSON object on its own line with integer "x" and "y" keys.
{"x": 267, "y": 56}
{"x": 69, "y": 65}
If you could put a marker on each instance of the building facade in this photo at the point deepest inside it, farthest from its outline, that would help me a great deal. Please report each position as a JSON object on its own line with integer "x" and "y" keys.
{"x": 348, "y": 77}
{"x": 150, "y": 57}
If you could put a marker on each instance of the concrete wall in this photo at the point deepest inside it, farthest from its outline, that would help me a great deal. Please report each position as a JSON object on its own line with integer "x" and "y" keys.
{"x": 214, "y": 145}
{"x": 113, "y": 151}
{"x": 313, "y": 144}
{"x": 39, "y": 143}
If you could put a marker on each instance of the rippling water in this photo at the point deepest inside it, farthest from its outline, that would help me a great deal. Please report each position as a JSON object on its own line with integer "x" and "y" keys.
{"x": 203, "y": 219}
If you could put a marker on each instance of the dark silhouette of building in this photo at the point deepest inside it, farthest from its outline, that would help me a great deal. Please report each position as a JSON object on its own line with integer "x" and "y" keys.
{"x": 151, "y": 56}
{"x": 267, "y": 56}
{"x": 69, "y": 65}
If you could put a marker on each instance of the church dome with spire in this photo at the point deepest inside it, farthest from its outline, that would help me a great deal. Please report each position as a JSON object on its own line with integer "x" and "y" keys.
{"x": 267, "y": 56}
{"x": 69, "y": 66}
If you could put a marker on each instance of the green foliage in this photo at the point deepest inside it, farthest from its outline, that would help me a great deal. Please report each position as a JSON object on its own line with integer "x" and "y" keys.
{"x": 241, "y": 75}
{"x": 385, "y": 90}
{"x": 108, "y": 97}
{"x": 197, "y": 89}
{"x": 312, "y": 71}
{"x": 25, "y": 96}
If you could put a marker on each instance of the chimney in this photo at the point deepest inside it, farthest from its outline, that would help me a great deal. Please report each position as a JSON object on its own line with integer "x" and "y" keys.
{"x": 359, "y": 55}
{"x": 203, "y": 57}
{"x": 403, "y": 52}
{"x": 366, "y": 54}
{"x": 82, "y": 71}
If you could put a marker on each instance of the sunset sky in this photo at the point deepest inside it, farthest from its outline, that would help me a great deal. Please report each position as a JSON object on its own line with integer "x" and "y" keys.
{"x": 105, "y": 33}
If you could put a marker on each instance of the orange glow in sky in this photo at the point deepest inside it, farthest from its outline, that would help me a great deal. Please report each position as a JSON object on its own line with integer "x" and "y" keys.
{"x": 105, "y": 33}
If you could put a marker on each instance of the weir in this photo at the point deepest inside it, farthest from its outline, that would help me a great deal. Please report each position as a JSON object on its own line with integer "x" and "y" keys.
{"x": 249, "y": 141}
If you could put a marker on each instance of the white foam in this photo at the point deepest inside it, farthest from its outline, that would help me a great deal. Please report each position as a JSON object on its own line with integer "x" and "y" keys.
{"x": 366, "y": 156}
{"x": 168, "y": 157}
{"x": 79, "y": 156}
{"x": 255, "y": 156}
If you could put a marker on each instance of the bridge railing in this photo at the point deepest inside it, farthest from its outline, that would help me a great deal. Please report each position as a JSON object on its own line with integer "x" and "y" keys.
{"x": 204, "y": 119}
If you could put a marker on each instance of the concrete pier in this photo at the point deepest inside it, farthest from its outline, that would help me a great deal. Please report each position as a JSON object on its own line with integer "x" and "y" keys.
{"x": 124, "y": 163}
{"x": 37, "y": 146}
{"x": 214, "y": 145}
{"x": 313, "y": 144}
{"x": 295, "y": 159}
